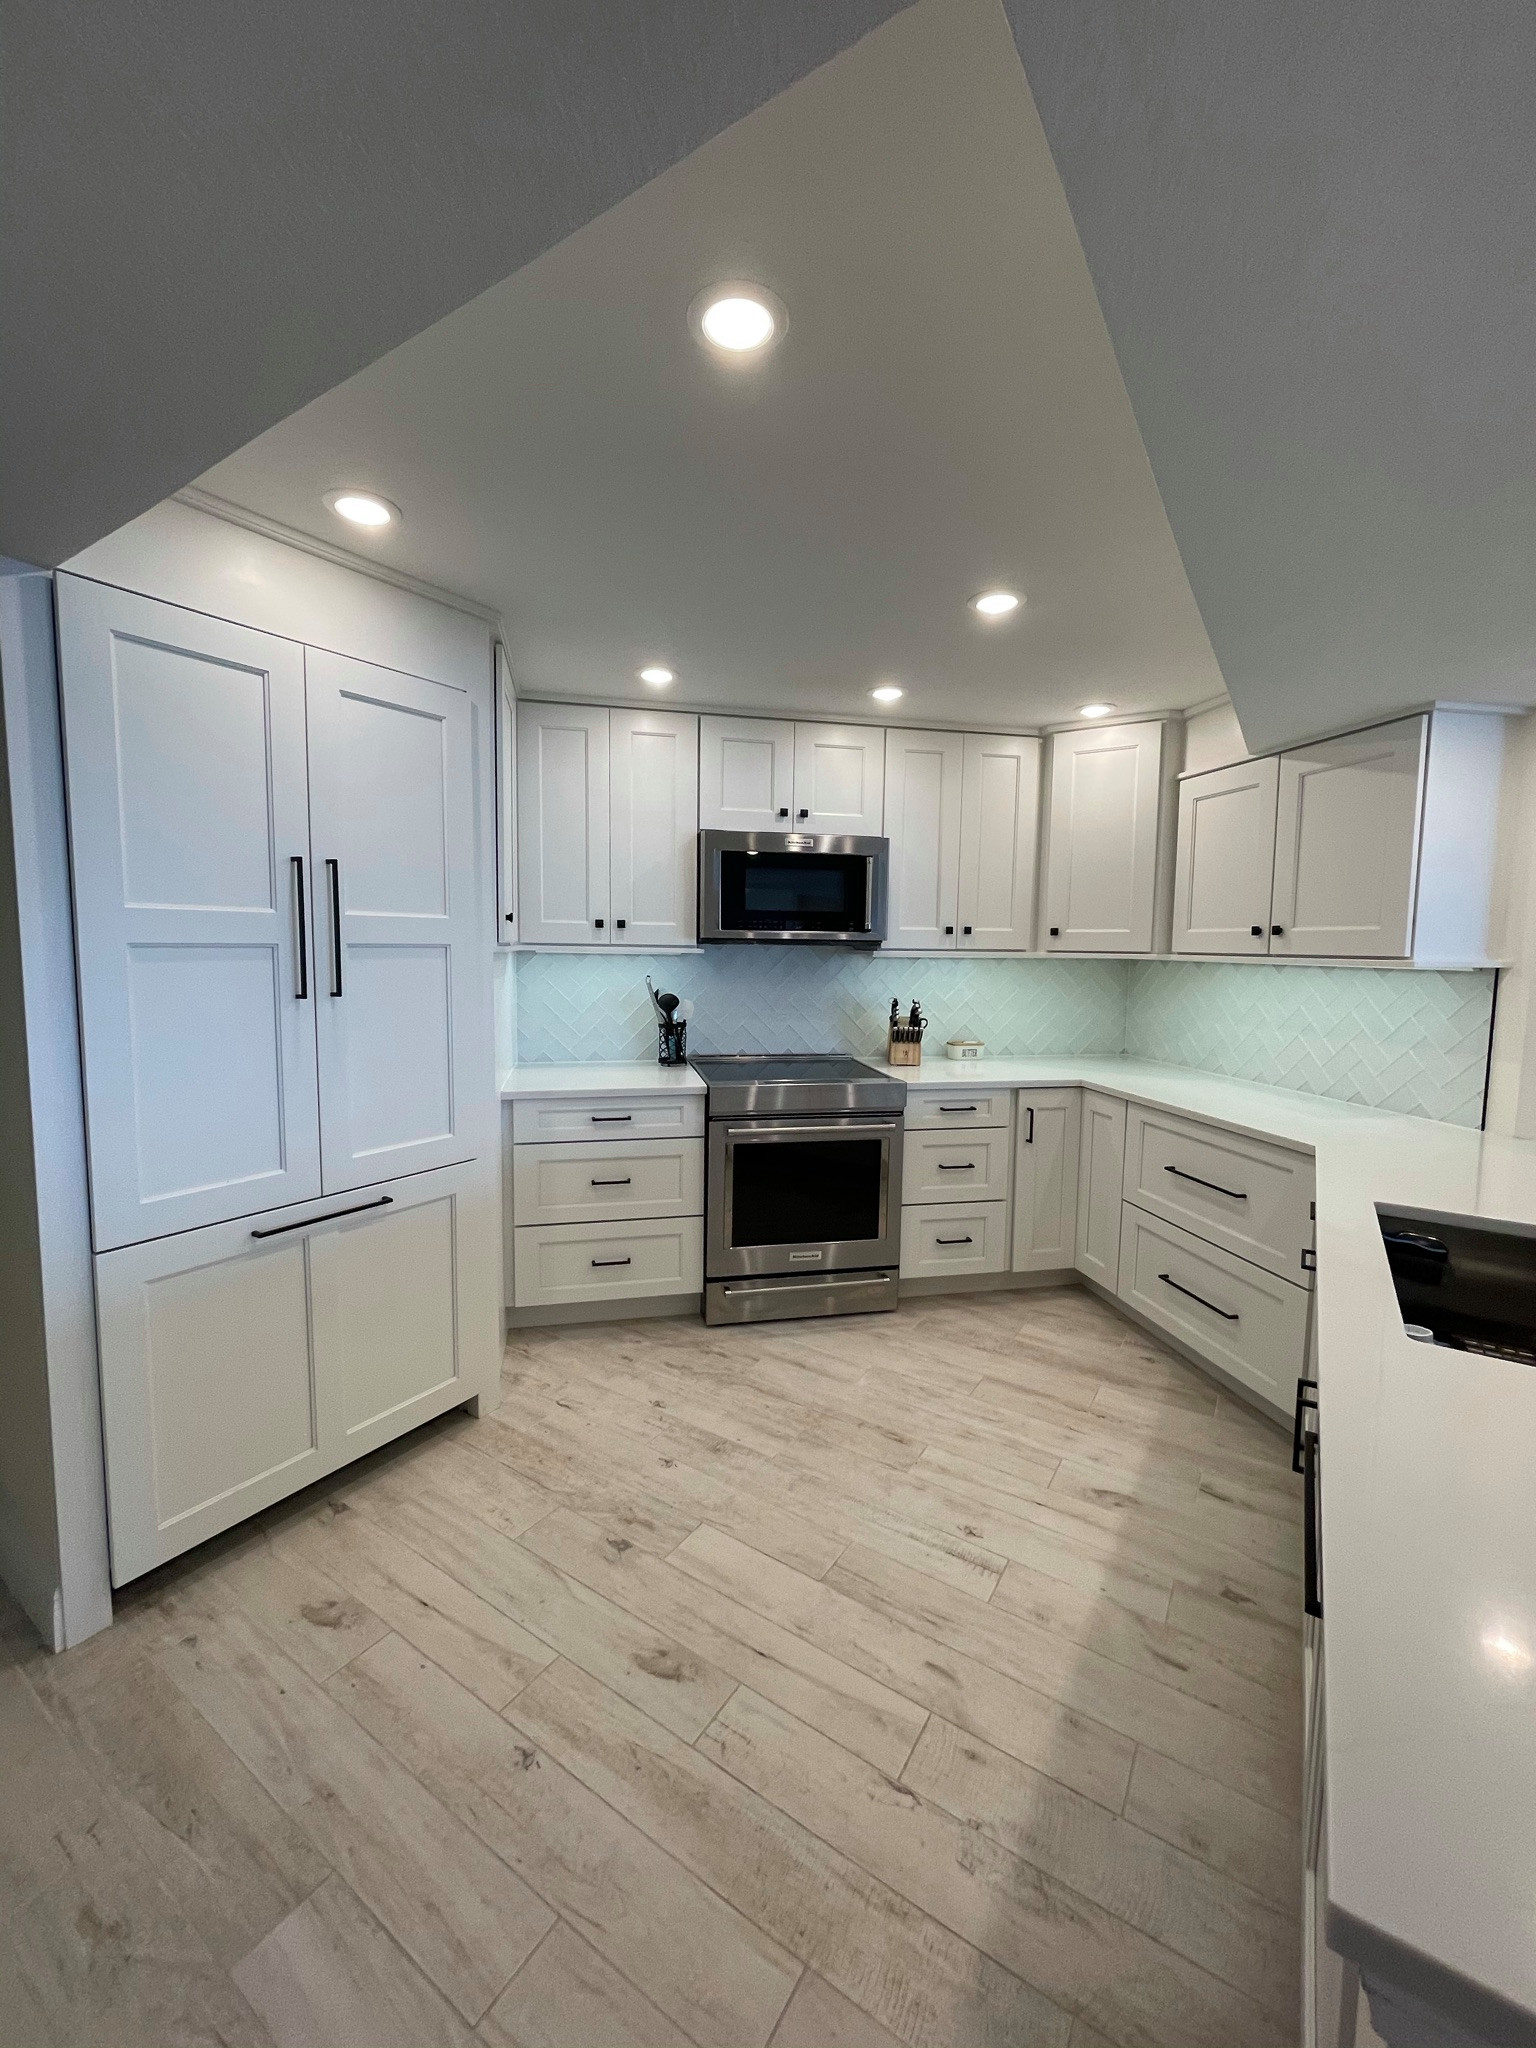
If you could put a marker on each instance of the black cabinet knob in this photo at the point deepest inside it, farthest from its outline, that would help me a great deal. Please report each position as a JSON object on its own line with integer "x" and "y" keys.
{"x": 597, "y": 923}
{"x": 619, "y": 923}
{"x": 966, "y": 930}
{"x": 1257, "y": 930}
{"x": 1055, "y": 931}
{"x": 805, "y": 814}
{"x": 1277, "y": 931}
{"x": 785, "y": 812}
{"x": 509, "y": 917}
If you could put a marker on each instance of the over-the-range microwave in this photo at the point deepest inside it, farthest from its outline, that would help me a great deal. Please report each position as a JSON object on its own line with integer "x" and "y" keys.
{"x": 792, "y": 887}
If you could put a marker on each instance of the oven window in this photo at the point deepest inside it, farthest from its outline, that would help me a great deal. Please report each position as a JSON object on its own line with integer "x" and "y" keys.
{"x": 797, "y": 892}
{"x": 805, "y": 1193}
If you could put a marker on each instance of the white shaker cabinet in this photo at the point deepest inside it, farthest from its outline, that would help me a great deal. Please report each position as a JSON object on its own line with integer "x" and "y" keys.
{"x": 1346, "y": 844}
{"x": 397, "y": 993}
{"x": 1101, "y": 1172}
{"x": 505, "y": 719}
{"x": 1045, "y": 1177}
{"x": 999, "y": 834}
{"x": 190, "y": 842}
{"x": 562, "y": 823}
{"x": 1102, "y": 839}
{"x": 607, "y": 813}
{"x": 653, "y": 864}
{"x": 924, "y": 794}
{"x": 746, "y": 774}
{"x": 839, "y": 780}
{"x": 242, "y": 1361}
{"x": 1224, "y": 871}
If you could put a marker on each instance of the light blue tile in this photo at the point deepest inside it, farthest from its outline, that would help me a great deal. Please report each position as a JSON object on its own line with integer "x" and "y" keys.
{"x": 1416, "y": 1042}
{"x": 593, "y": 1006}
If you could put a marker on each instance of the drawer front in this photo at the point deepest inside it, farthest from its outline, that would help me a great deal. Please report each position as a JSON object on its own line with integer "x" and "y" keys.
{"x": 959, "y": 1237}
{"x": 1249, "y": 1196}
{"x": 1246, "y": 1320}
{"x": 959, "y": 1109}
{"x": 603, "y": 1181}
{"x": 562, "y": 1117}
{"x": 956, "y": 1166}
{"x": 569, "y": 1262}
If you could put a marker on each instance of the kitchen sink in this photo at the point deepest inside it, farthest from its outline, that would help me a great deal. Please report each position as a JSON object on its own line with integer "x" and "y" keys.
{"x": 1462, "y": 1282}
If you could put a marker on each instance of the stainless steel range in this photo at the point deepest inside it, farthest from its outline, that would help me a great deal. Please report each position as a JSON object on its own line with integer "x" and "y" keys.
{"x": 803, "y": 1193}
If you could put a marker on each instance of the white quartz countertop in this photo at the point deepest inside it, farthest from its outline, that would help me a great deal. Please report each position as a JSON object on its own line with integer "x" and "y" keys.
{"x": 619, "y": 1077}
{"x": 1428, "y": 1465}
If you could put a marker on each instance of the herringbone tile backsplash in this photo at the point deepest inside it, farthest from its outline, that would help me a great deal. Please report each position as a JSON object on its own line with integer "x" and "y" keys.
{"x": 1409, "y": 1041}
{"x": 1416, "y": 1042}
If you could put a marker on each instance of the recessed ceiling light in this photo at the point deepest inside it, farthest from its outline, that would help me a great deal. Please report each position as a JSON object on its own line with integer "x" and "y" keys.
{"x": 886, "y": 694}
{"x": 995, "y": 604}
{"x": 362, "y": 508}
{"x": 737, "y": 320}
{"x": 658, "y": 678}
{"x": 1094, "y": 710}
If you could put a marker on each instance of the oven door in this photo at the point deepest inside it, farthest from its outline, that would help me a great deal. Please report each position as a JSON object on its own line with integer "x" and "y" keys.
{"x": 804, "y": 1195}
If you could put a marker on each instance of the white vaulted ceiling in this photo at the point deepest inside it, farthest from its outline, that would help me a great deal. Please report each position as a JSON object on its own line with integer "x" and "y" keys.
{"x": 945, "y": 412}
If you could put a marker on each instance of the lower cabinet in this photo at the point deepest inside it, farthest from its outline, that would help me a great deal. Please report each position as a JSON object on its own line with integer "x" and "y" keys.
{"x": 1101, "y": 1171}
{"x": 242, "y": 1361}
{"x": 1045, "y": 1179}
{"x": 941, "y": 1240}
{"x": 1246, "y": 1320}
{"x": 948, "y": 1166}
{"x": 561, "y": 1263}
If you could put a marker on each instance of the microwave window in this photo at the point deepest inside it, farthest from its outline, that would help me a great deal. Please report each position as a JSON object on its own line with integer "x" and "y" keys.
{"x": 815, "y": 892}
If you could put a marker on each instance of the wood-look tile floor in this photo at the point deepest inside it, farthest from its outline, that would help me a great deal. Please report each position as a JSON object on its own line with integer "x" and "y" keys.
{"x": 929, "y": 1678}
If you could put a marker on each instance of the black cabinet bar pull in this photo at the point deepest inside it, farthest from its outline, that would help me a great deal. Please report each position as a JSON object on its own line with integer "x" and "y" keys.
{"x": 333, "y": 868}
{"x": 1312, "y": 1561}
{"x": 1215, "y": 1186}
{"x": 954, "y": 1240}
{"x": 1228, "y": 1315}
{"x": 304, "y": 1222}
{"x": 624, "y": 1117}
{"x": 960, "y": 1166}
{"x": 624, "y": 1183}
{"x": 301, "y": 992}
{"x": 958, "y": 1108}
{"x": 1306, "y": 1397}
{"x": 612, "y": 1262}
{"x": 1029, "y": 1135}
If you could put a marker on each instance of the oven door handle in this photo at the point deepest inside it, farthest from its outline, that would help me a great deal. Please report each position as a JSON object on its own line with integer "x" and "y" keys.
{"x": 855, "y": 1127}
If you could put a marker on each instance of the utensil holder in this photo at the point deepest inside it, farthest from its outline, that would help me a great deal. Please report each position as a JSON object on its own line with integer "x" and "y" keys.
{"x": 672, "y": 1043}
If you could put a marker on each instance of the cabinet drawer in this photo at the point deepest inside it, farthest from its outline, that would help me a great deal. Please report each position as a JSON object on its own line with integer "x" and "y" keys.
{"x": 1246, "y": 1320}
{"x": 563, "y": 1262}
{"x": 957, "y": 1237}
{"x": 956, "y": 1109}
{"x": 1253, "y": 1197}
{"x": 956, "y": 1166}
{"x": 606, "y": 1181}
{"x": 560, "y": 1117}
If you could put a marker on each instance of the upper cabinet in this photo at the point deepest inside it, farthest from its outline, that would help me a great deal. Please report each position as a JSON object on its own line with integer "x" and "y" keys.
{"x": 962, "y": 813}
{"x": 1375, "y": 846}
{"x": 746, "y": 774}
{"x": 767, "y": 775}
{"x": 1101, "y": 845}
{"x": 505, "y": 714}
{"x": 607, "y": 814}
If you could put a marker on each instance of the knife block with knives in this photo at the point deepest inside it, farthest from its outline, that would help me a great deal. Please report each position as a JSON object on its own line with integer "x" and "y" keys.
{"x": 904, "y": 1036}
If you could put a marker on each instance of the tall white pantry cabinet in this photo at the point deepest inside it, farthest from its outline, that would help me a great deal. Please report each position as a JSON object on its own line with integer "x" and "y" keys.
{"x": 282, "y": 974}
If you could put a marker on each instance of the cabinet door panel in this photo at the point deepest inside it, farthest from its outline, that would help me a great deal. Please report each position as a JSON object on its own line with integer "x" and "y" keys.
{"x": 654, "y": 849}
{"x": 923, "y": 776}
{"x": 1045, "y": 1179}
{"x": 210, "y": 1406}
{"x": 746, "y": 774}
{"x": 506, "y": 803}
{"x": 189, "y": 810}
{"x": 840, "y": 780}
{"x": 1101, "y": 850}
{"x": 562, "y": 824}
{"x": 1225, "y": 867}
{"x": 1101, "y": 1170}
{"x": 1346, "y": 844}
{"x": 399, "y": 976}
{"x": 999, "y": 834}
